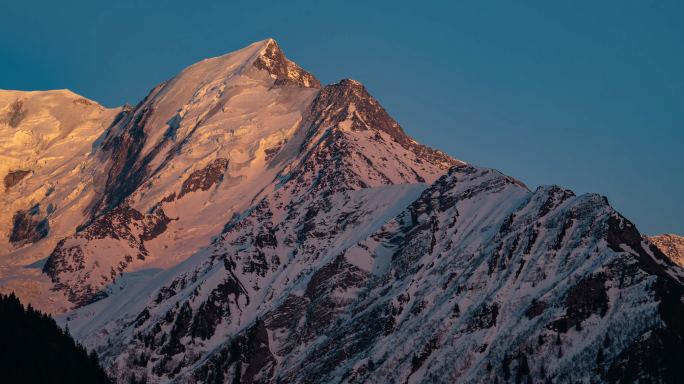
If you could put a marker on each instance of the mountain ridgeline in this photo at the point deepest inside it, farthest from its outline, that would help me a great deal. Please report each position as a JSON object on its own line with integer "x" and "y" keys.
{"x": 245, "y": 224}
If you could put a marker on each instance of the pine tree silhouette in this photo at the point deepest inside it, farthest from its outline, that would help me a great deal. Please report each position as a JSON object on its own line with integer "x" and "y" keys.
{"x": 599, "y": 357}
{"x": 33, "y": 349}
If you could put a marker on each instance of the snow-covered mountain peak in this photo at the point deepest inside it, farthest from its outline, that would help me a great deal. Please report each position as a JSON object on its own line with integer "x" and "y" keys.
{"x": 164, "y": 177}
{"x": 274, "y": 61}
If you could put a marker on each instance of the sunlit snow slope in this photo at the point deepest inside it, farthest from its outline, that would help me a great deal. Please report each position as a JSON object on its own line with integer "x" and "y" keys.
{"x": 48, "y": 142}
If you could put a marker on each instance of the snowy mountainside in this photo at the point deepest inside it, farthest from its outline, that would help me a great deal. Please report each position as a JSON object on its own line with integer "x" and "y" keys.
{"x": 476, "y": 280}
{"x": 169, "y": 173}
{"x": 671, "y": 245}
{"x": 48, "y": 139}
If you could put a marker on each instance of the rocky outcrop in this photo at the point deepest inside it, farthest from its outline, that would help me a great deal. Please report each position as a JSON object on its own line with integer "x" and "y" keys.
{"x": 82, "y": 101}
{"x": 348, "y": 105}
{"x": 14, "y": 177}
{"x": 204, "y": 178}
{"x": 670, "y": 245}
{"x": 27, "y": 228}
{"x": 83, "y": 264}
{"x": 15, "y": 114}
{"x": 274, "y": 61}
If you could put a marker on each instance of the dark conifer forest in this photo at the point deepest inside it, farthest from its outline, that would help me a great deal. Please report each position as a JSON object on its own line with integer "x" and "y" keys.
{"x": 33, "y": 349}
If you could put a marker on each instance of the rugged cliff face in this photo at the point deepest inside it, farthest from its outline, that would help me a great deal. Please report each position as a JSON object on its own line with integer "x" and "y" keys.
{"x": 670, "y": 245}
{"x": 279, "y": 231}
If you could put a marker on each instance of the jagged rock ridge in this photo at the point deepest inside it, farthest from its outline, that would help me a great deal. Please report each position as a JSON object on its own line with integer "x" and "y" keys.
{"x": 274, "y": 61}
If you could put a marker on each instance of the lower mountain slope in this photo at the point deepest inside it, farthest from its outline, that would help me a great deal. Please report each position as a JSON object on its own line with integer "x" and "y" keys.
{"x": 478, "y": 279}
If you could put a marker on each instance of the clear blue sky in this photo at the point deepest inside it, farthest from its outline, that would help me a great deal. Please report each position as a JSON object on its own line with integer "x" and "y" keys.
{"x": 588, "y": 95}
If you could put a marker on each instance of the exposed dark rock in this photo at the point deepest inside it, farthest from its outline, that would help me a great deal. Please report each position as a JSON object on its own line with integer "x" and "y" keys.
{"x": 15, "y": 114}
{"x": 126, "y": 172}
{"x": 274, "y": 61}
{"x": 622, "y": 231}
{"x": 271, "y": 152}
{"x": 217, "y": 306}
{"x": 180, "y": 328}
{"x": 128, "y": 169}
{"x": 82, "y": 102}
{"x": 587, "y": 297}
{"x": 142, "y": 318}
{"x": 204, "y": 178}
{"x": 536, "y": 309}
{"x": 247, "y": 358}
{"x": 14, "y": 177}
{"x": 125, "y": 111}
{"x": 556, "y": 197}
{"x": 332, "y": 105}
{"x": 658, "y": 352}
{"x": 125, "y": 224}
{"x": 169, "y": 198}
{"x": 27, "y": 228}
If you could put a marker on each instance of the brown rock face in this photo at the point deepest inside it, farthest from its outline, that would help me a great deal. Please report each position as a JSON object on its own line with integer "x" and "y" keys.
{"x": 83, "y": 102}
{"x": 13, "y": 178}
{"x": 204, "y": 178}
{"x": 15, "y": 114}
{"x": 27, "y": 228}
{"x": 670, "y": 245}
{"x": 274, "y": 61}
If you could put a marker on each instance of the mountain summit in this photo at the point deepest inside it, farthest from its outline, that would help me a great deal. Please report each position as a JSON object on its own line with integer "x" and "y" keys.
{"x": 272, "y": 60}
{"x": 196, "y": 151}
{"x": 244, "y": 224}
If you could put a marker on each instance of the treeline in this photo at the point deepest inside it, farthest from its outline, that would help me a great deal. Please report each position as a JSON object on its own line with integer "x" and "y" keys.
{"x": 33, "y": 349}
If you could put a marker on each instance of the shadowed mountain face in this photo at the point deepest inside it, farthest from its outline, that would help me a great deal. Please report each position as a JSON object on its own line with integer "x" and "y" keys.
{"x": 305, "y": 238}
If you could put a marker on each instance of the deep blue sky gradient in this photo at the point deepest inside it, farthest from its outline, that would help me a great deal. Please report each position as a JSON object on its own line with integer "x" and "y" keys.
{"x": 587, "y": 95}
